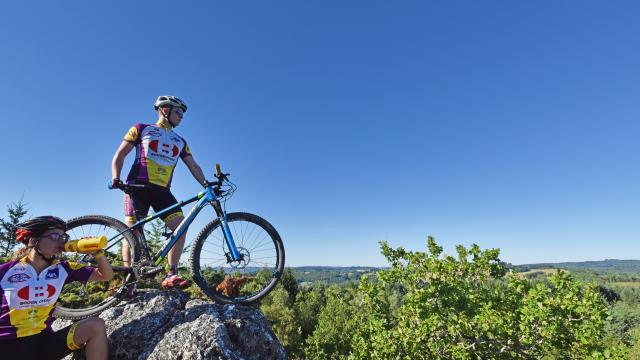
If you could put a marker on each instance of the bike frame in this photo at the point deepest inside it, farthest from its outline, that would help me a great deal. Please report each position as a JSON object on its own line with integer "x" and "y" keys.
{"x": 202, "y": 198}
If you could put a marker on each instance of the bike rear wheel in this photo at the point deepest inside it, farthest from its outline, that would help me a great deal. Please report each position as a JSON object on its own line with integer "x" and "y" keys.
{"x": 238, "y": 282}
{"x": 81, "y": 300}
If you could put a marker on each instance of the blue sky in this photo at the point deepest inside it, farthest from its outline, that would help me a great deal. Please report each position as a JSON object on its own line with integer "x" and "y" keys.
{"x": 502, "y": 123}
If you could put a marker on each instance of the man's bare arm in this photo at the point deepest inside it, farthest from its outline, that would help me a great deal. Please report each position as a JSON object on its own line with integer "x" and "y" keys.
{"x": 195, "y": 169}
{"x": 118, "y": 159}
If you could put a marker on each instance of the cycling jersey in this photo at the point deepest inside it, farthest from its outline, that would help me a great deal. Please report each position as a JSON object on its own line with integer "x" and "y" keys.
{"x": 157, "y": 152}
{"x": 27, "y": 299}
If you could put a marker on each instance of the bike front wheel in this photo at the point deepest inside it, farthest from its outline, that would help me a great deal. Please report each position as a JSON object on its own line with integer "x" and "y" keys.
{"x": 242, "y": 281}
{"x": 82, "y": 300}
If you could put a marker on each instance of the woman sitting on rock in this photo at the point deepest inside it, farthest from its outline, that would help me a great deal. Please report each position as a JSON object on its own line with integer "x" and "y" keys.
{"x": 30, "y": 285}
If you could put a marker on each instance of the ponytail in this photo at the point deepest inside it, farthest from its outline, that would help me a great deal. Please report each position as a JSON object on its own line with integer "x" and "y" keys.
{"x": 20, "y": 253}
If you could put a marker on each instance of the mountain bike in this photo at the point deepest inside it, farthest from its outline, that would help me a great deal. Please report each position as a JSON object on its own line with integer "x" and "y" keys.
{"x": 237, "y": 258}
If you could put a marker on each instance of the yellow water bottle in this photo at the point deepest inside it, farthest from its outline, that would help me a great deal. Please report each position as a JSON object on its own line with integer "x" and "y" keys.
{"x": 86, "y": 245}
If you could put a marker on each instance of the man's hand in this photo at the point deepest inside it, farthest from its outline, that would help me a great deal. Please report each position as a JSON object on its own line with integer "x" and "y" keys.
{"x": 116, "y": 183}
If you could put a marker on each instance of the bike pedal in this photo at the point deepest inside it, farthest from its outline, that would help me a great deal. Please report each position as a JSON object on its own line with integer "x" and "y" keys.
{"x": 151, "y": 271}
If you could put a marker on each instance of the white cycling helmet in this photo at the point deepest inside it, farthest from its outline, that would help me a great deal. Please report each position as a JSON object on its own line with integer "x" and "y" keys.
{"x": 169, "y": 100}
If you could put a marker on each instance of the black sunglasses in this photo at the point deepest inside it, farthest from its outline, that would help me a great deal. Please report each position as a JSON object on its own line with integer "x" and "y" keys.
{"x": 57, "y": 237}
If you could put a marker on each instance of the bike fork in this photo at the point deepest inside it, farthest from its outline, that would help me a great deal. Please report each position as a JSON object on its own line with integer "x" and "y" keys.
{"x": 228, "y": 238}
{"x": 226, "y": 233}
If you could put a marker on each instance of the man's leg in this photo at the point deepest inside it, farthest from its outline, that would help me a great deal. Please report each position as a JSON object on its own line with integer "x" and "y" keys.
{"x": 173, "y": 258}
{"x": 130, "y": 219}
{"x": 176, "y": 250}
{"x": 163, "y": 199}
{"x": 92, "y": 332}
{"x": 126, "y": 249}
{"x": 133, "y": 209}
{"x": 136, "y": 206}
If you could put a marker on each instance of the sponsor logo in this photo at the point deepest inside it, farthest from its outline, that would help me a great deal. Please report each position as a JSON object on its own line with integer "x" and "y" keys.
{"x": 132, "y": 134}
{"x": 153, "y": 145}
{"x": 75, "y": 265}
{"x": 19, "y": 268}
{"x": 16, "y": 278}
{"x": 37, "y": 292}
{"x": 52, "y": 274}
{"x": 167, "y": 150}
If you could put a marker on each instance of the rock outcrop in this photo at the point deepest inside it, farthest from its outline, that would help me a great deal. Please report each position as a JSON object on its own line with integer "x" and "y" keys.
{"x": 166, "y": 325}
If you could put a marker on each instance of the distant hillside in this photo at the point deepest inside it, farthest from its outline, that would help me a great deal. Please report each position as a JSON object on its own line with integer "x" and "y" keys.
{"x": 338, "y": 268}
{"x": 613, "y": 265}
{"x": 331, "y": 274}
{"x": 352, "y": 274}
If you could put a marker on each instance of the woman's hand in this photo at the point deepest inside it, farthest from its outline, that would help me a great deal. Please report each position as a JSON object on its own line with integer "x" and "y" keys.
{"x": 104, "y": 271}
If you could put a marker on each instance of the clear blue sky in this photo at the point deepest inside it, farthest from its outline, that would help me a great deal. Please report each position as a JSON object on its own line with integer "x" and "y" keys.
{"x": 510, "y": 124}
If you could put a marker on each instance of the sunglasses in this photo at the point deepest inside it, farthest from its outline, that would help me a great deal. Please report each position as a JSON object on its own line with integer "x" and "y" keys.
{"x": 58, "y": 237}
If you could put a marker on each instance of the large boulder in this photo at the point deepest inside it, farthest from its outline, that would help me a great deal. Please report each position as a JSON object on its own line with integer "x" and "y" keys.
{"x": 167, "y": 325}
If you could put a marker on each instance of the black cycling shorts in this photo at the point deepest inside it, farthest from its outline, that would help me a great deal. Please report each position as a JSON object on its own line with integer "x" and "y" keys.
{"x": 138, "y": 201}
{"x": 42, "y": 346}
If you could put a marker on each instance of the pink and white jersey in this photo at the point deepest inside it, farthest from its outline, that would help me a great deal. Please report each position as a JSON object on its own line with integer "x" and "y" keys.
{"x": 27, "y": 299}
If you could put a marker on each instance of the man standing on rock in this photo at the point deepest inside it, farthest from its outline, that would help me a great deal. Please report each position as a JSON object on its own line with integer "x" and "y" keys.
{"x": 158, "y": 149}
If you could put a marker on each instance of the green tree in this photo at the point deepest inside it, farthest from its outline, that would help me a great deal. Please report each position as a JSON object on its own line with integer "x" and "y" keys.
{"x": 16, "y": 213}
{"x": 154, "y": 234}
{"x": 309, "y": 302}
{"x": 277, "y": 307}
{"x": 463, "y": 308}
{"x": 431, "y": 306}
{"x": 288, "y": 281}
{"x": 634, "y": 351}
{"x": 338, "y": 320}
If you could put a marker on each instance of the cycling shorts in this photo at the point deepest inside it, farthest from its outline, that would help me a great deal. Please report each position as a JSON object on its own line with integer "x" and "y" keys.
{"x": 42, "y": 346}
{"x": 138, "y": 201}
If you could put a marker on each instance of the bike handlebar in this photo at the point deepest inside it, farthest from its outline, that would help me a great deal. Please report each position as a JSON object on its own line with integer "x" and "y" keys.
{"x": 123, "y": 186}
{"x": 219, "y": 175}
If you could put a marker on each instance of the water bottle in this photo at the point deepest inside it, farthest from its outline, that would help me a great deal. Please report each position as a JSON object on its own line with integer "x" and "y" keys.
{"x": 86, "y": 245}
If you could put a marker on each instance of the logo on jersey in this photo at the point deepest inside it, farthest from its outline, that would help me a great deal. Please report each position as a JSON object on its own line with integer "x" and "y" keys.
{"x": 164, "y": 148}
{"x": 132, "y": 135}
{"x": 52, "y": 274}
{"x": 75, "y": 265}
{"x": 20, "y": 266}
{"x": 38, "y": 291}
{"x": 16, "y": 278}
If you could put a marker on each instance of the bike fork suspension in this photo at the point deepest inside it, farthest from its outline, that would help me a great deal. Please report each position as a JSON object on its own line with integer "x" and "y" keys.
{"x": 235, "y": 254}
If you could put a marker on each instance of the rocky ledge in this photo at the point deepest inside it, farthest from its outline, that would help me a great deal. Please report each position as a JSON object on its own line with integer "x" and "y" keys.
{"x": 166, "y": 325}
